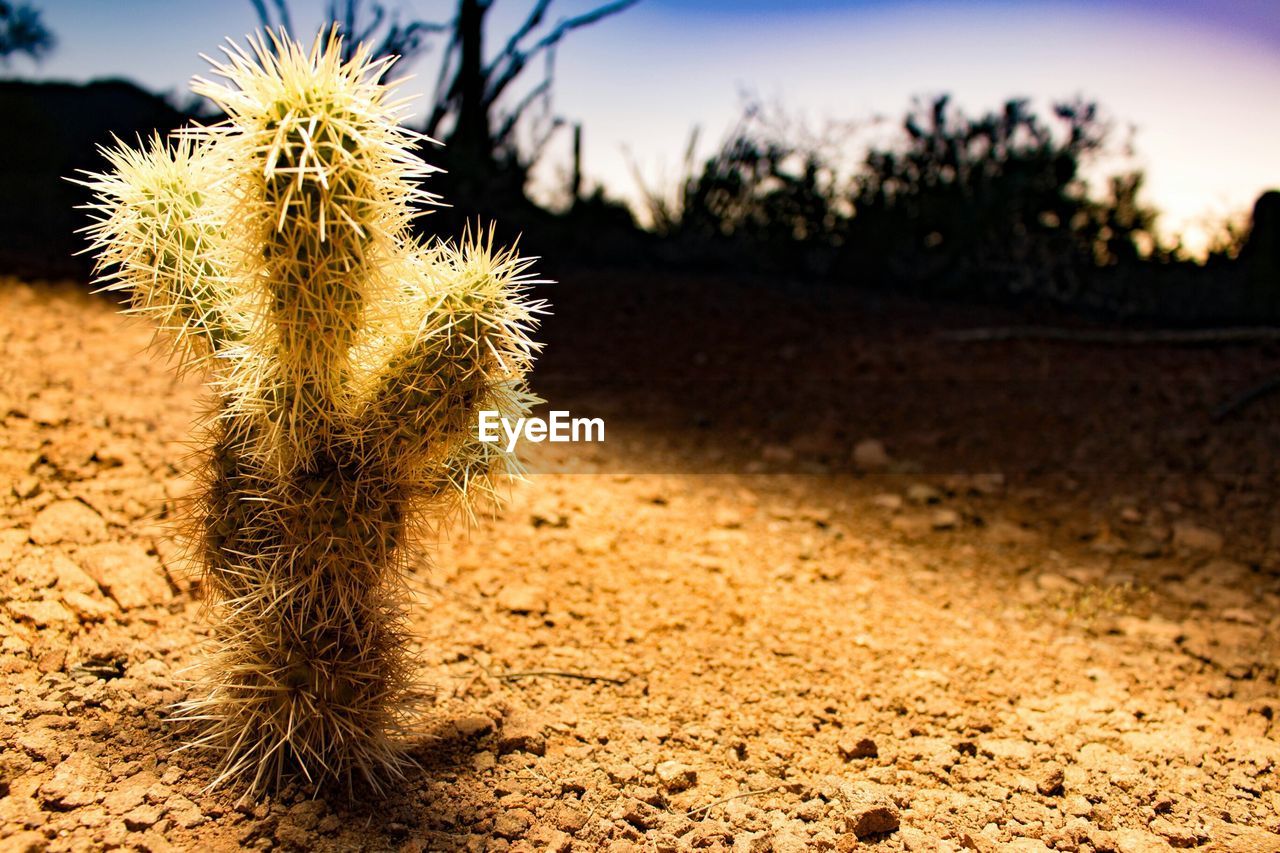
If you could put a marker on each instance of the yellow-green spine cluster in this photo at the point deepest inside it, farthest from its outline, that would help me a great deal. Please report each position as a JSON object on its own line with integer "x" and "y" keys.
{"x": 350, "y": 361}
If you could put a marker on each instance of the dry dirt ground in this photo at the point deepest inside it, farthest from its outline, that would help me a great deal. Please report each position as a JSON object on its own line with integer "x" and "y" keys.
{"x": 796, "y": 656}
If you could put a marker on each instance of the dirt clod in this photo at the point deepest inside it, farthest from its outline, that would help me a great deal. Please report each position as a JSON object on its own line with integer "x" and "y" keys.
{"x": 67, "y": 521}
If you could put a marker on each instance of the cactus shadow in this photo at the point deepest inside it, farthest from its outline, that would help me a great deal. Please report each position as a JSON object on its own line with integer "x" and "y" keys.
{"x": 419, "y": 811}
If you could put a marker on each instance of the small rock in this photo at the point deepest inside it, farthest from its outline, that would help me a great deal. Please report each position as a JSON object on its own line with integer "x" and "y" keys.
{"x": 547, "y": 838}
{"x": 675, "y": 777}
{"x": 1050, "y": 784}
{"x": 70, "y": 577}
{"x": 912, "y": 525}
{"x": 473, "y": 725}
{"x": 74, "y": 784}
{"x": 642, "y": 816}
{"x": 184, "y": 812}
{"x": 34, "y": 570}
{"x": 513, "y": 824}
{"x": 143, "y": 817}
{"x": 1051, "y": 582}
{"x": 1128, "y": 840}
{"x": 851, "y": 748}
{"x": 27, "y": 487}
{"x": 871, "y": 818}
{"x": 522, "y": 736}
{"x": 888, "y": 500}
{"x": 945, "y": 519}
{"x": 522, "y": 599}
{"x": 568, "y": 819}
{"x": 870, "y": 455}
{"x": 42, "y": 614}
{"x": 128, "y": 573}
{"x": 548, "y": 516}
{"x": 727, "y": 518}
{"x": 13, "y": 543}
{"x": 67, "y": 521}
{"x": 130, "y": 793}
{"x": 27, "y": 841}
{"x": 923, "y": 493}
{"x": 1077, "y": 806}
{"x": 1177, "y": 836}
{"x": 1003, "y": 532}
{"x": 1192, "y": 537}
{"x": 87, "y": 608}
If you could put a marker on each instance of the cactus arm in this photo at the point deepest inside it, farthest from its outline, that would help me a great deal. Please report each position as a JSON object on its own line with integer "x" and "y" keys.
{"x": 154, "y": 231}
{"x": 472, "y": 341}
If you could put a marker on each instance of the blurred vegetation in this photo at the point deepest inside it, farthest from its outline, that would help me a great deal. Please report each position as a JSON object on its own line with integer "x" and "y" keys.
{"x": 1010, "y": 205}
{"x": 22, "y": 31}
{"x": 1007, "y": 205}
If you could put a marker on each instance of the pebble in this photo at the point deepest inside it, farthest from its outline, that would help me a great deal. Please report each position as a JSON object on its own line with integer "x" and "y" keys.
{"x": 143, "y": 817}
{"x": 522, "y": 599}
{"x": 474, "y": 725}
{"x": 74, "y": 784}
{"x": 923, "y": 493}
{"x": 514, "y": 823}
{"x": 67, "y": 521}
{"x": 42, "y": 614}
{"x": 945, "y": 519}
{"x": 1176, "y": 835}
{"x": 871, "y": 818}
{"x": 27, "y": 487}
{"x": 1052, "y": 582}
{"x": 851, "y": 748}
{"x": 1077, "y": 806}
{"x": 127, "y": 572}
{"x": 675, "y": 777}
{"x": 88, "y": 608}
{"x": 888, "y": 500}
{"x": 522, "y": 737}
{"x": 184, "y": 812}
{"x": 1050, "y": 783}
{"x": 70, "y": 577}
{"x": 870, "y": 455}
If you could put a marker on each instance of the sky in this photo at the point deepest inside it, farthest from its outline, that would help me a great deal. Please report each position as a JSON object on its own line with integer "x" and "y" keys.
{"x": 1196, "y": 82}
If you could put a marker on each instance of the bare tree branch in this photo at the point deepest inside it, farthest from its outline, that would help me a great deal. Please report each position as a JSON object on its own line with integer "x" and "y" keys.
{"x": 509, "y": 123}
{"x": 499, "y": 82}
{"x": 536, "y": 16}
{"x": 282, "y": 8}
{"x": 264, "y": 17}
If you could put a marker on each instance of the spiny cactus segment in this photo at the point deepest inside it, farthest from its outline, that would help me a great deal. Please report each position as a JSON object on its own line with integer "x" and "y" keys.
{"x": 350, "y": 360}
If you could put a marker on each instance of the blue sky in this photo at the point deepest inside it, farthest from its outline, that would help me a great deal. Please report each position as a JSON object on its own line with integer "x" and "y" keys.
{"x": 1198, "y": 81}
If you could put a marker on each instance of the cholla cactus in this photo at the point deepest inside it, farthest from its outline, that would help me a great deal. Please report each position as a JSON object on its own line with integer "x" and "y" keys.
{"x": 350, "y": 363}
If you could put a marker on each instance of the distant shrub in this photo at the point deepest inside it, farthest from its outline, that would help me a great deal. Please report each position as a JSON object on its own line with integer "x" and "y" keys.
{"x": 996, "y": 204}
{"x": 760, "y": 200}
{"x": 993, "y": 206}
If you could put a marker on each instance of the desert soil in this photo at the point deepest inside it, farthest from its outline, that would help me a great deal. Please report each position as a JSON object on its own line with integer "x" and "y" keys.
{"x": 1017, "y": 628}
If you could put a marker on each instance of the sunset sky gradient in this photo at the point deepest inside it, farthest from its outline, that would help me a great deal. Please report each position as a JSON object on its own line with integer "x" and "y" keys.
{"x": 1199, "y": 82}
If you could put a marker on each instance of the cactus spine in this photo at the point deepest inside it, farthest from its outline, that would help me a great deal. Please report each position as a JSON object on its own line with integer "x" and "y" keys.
{"x": 350, "y": 362}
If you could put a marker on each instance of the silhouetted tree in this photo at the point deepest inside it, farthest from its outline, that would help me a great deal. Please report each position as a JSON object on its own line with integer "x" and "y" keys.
{"x": 470, "y": 108}
{"x": 22, "y": 31}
